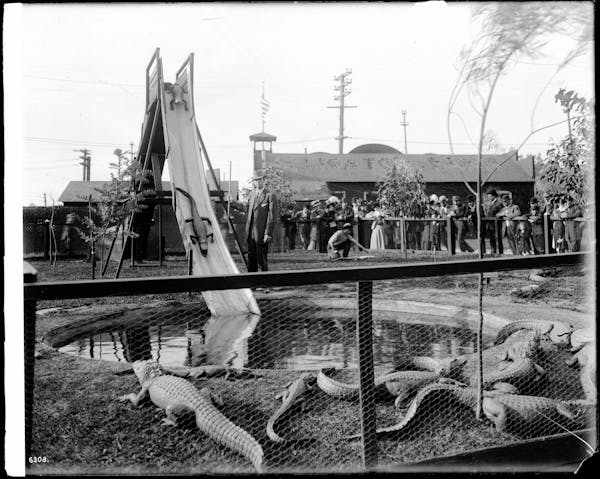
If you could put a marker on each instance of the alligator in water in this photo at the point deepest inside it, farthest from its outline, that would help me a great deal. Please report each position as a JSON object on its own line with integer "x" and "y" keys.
{"x": 290, "y": 396}
{"x": 177, "y": 395}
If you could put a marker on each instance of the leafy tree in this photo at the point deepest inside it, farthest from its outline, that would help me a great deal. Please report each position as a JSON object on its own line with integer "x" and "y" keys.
{"x": 119, "y": 198}
{"x": 568, "y": 164}
{"x": 276, "y": 182}
{"x": 402, "y": 192}
{"x": 509, "y": 32}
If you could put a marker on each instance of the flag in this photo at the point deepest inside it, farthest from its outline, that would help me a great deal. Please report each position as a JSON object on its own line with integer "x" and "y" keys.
{"x": 264, "y": 106}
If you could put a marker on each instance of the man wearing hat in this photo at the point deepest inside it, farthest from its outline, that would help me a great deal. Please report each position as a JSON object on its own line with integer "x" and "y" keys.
{"x": 262, "y": 209}
{"x": 573, "y": 231}
{"x": 342, "y": 240}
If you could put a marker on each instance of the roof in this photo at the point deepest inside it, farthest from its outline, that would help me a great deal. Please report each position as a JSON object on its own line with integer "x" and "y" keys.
{"x": 79, "y": 191}
{"x": 262, "y": 137}
{"x": 374, "y": 148}
{"x": 371, "y": 167}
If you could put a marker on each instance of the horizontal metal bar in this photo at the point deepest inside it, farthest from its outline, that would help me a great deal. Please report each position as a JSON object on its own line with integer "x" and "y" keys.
{"x": 176, "y": 284}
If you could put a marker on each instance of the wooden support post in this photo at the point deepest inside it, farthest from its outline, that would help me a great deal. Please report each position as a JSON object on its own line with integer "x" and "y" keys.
{"x": 403, "y": 237}
{"x": 546, "y": 235}
{"x": 450, "y": 236}
{"x": 364, "y": 334}
{"x": 29, "y": 276}
{"x": 160, "y": 235}
{"x": 46, "y": 239}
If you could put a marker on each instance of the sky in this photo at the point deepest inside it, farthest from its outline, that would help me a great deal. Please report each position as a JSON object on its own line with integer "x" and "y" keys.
{"x": 82, "y": 71}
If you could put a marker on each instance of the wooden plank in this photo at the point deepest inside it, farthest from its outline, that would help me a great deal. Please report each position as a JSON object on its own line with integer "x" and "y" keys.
{"x": 173, "y": 284}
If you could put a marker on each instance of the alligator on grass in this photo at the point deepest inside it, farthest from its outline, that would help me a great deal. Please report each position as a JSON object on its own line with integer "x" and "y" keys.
{"x": 557, "y": 332}
{"x": 176, "y": 395}
{"x": 507, "y": 411}
{"x": 403, "y": 384}
{"x": 292, "y": 395}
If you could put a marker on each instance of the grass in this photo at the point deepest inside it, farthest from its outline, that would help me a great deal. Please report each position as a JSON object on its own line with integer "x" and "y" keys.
{"x": 81, "y": 427}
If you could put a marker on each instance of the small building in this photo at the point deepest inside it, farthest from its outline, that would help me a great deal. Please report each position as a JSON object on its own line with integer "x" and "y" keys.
{"x": 357, "y": 173}
{"x": 76, "y": 195}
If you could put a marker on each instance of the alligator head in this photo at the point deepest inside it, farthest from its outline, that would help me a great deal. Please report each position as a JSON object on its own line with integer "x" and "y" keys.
{"x": 146, "y": 370}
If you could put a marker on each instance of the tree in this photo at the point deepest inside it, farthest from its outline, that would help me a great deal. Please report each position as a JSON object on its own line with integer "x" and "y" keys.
{"x": 508, "y": 32}
{"x": 276, "y": 182}
{"x": 402, "y": 192}
{"x": 568, "y": 164}
{"x": 119, "y": 199}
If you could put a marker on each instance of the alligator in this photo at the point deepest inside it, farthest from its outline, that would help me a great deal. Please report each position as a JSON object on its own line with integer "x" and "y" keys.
{"x": 504, "y": 409}
{"x": 581, "y": 337}
{"x": 557, "y": 332}
{"x": 398, "y": 383}
{"x": 290, "y": 396}
{"x": 585, "y": 357}
{"x": 512, "y": 362}
{"x": 201, "y": 234}
{"x": 177, "y": 395}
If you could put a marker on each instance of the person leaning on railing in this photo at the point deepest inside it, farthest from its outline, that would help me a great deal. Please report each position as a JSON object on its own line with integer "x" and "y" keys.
{"x": 509, "y": 227}
{"x": 558, "y": 227}
{"x": 460, "y": 214}
{"x": 316, "y": 211}
{"x": 302, "y": 218}
{"x": 536, "y": 219}
{"x": 573, "y": 229}
{"x": 492, "y": 207}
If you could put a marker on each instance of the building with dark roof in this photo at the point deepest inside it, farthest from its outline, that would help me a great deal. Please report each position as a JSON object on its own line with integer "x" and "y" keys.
{"x": 357, "y": 173}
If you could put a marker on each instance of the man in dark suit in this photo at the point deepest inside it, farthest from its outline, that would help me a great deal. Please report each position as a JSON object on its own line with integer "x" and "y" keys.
{"x": 262, "y": 209}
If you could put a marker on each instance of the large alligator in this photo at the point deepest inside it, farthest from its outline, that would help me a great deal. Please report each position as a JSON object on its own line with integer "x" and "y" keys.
{"x": 585, "y": 357}
{"x": 290, "y": 396}
{"x": 398, "y": 383}
{"x": 506, "y": 411}
{"x": 176, "y": 395}
{"x": 512, "y": 362}
{"x": 556, "y": 331}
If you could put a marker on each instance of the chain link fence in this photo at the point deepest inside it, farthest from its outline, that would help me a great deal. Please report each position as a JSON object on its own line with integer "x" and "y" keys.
{"x": 334, "y": 376}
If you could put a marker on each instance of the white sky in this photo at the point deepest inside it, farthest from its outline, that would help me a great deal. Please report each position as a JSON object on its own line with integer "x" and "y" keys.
{"x": 83, "y": 80}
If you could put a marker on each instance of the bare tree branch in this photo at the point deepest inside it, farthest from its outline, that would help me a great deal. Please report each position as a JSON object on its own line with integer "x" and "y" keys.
{"x": 522, "y": 143}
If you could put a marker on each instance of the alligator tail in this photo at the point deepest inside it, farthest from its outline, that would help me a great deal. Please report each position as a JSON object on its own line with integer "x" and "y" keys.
{"x": 214, "y": 424}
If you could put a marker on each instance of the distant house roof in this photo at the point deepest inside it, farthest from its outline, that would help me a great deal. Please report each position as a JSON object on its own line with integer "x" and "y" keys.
{"x": 374, "y": 148}
{"x": 262, "y": 137}
{"x": 79, "y": 191}
{"x": 371, "y": 167}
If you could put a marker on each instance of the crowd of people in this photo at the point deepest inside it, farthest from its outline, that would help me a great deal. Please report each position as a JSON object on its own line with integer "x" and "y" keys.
{"x": 524, "y": 231}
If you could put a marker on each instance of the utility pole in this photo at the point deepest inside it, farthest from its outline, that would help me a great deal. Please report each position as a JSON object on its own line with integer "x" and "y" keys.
{"x": 404, "y": 124}
{"x": 45, "y": 200}
{"x": 344, "y": 92}
{"x": 86, "y": 163}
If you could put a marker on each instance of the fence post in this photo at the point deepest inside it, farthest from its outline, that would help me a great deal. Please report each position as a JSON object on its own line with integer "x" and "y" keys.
{"x": 403, "y": 237}
{"x": 546, "y": 235}
{"x": 450, "y": 235}
{"x": 364, "y": 334}
{"x": 46, "y": 239}
{"x": 29, "y": 276}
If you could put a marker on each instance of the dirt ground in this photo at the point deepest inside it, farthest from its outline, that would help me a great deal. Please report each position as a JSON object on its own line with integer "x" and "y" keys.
{"x": 80, "y": 427}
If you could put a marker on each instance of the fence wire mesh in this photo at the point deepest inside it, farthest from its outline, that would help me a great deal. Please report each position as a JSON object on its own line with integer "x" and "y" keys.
{"x": 333, "y": 378}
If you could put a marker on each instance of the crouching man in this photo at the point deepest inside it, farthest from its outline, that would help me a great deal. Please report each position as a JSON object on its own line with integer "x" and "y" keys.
{"x": 342, "y": 240}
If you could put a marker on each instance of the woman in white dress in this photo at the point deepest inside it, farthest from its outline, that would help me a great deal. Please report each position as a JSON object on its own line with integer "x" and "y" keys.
{"x": 377, "y": 235}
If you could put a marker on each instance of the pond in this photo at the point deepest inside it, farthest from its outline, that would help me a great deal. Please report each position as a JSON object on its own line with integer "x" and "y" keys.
{"x": 303, "y": 338}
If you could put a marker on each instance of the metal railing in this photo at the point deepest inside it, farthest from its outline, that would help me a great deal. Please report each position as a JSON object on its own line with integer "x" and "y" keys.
{"x": 363, "y": 276}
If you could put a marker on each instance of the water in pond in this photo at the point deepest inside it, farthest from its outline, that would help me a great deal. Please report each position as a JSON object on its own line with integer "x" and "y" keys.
{"x": 311, "y": 341}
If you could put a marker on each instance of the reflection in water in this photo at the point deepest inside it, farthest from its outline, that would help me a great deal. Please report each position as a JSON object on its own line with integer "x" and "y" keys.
{"x": 309, "y": 342}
